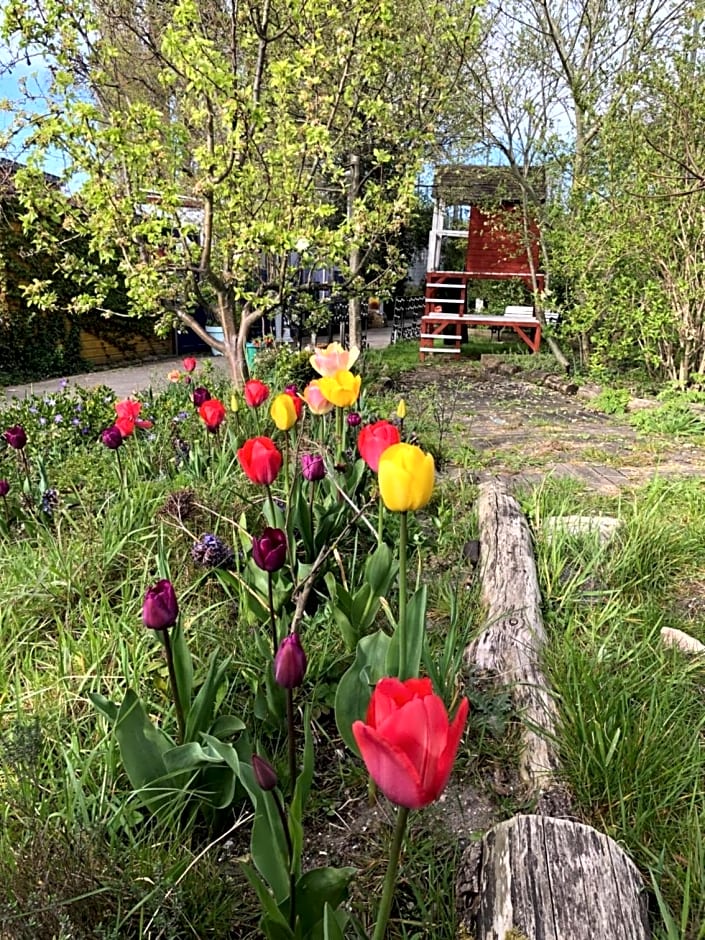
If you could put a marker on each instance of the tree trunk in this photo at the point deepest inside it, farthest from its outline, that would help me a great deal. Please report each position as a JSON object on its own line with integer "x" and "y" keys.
{"x": 539, "y": 878}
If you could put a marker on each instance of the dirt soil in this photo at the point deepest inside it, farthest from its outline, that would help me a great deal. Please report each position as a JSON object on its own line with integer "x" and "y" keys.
{"x": 525, "y": 431}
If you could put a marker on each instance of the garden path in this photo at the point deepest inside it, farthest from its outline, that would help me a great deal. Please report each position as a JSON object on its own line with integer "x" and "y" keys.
{"x": 523, "y": 431}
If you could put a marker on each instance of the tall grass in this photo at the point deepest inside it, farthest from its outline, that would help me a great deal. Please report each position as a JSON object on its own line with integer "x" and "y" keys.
{"x": 631, "y": 734}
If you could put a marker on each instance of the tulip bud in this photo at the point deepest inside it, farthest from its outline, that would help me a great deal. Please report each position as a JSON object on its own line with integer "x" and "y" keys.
{"x": 269, "y": 549}
{"x": 354, "y": 419}
{"x": 4, "y": 488}
{"x": 290, "y": 662}
{"x": 16, "y": 436}
{"x": 264, "y": 773}
{"x": 112, "y": 437}
{"x": 189, "y": 363}
{"x": 313, "y": 467}
{"x": 401, "y": 409}
{"x": 200, "y": 395}
{"x": 160, "y": 608}
{"x": 234, "y": 403}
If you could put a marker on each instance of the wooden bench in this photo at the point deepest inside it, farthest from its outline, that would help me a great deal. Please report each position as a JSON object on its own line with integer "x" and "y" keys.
{"x": 437, "y": 326}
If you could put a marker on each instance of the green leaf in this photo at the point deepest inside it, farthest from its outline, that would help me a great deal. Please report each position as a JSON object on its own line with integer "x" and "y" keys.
{"x": 104, "y": 705}
{"x": 333, "y": 923}
{"x": 142, "y": 748}
{"x": 301, "y": 792}
{"x": 380, "y": 570}
{"x": 355, "y": 687}
{"x": 269, "y": 905}
{"x": 183, "y": 665}
{"x": 189, "y": 756}
{"x": 226, "y": 726}
{"x": 268, "y": 841}
{"x": 318, "y": 888}
{"x": 200, "y": 715}
{"x": 415, "y": 636}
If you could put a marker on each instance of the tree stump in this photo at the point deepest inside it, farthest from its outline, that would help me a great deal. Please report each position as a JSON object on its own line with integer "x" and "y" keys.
{"x": 510, "y": 646}
{"x": 540, "y": 878}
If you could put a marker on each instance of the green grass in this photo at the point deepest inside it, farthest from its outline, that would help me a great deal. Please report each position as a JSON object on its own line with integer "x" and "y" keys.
{"x": 632, "y": 729}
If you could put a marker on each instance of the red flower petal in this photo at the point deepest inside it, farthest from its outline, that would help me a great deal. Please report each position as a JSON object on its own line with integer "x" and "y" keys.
{"x": 390, "y": 769}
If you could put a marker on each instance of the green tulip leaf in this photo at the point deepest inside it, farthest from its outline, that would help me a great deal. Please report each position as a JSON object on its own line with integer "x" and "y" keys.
{"x": 415, "y": 637}
{"x": 189, "y": 756}
{"x": 355, "y": 687}
{"x": 316, "y": 890}
{"x": 268, "y": 841}
{"x": 333, "y": 923}
{"x": 105, "y": 706}
{"x": 200, "y": 715}
{"x": 142, "y": 748}
{"x": 380, "y": 570}
{"x": 269, "y": 905}
{"x": 183, "y": 665}
{"x": 226, "y": 726}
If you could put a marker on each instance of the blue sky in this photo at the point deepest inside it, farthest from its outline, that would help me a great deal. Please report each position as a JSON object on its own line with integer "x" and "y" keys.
{"x": 11, "y": 78}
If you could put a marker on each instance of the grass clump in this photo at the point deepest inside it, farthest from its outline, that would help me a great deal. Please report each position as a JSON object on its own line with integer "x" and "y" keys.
{"x": 631, "y": 726}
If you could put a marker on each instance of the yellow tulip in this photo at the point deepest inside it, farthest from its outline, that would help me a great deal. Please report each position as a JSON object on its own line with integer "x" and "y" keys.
{"x": 234, "y": 402}
{"x": 334, "y": 358}
{"x": 283, "y": 412}
{"x": 342, "y": 389}
{"x": 405, "y": 477}
{"x": 401, "y": 409}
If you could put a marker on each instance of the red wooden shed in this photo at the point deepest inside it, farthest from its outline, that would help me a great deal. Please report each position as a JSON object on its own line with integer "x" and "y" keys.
{"x": 482, "y": 219}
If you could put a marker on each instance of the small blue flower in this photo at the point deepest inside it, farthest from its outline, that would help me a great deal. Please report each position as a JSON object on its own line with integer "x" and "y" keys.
{"x": 42, "y": 420}
{"x": 63, "y": 383}
{"x": 49, "y": 401}
{"x": 33, "y": 410}
{"x": 58, "y": 419}
{"x": 75, "y": 422}
{"x": 79, "y": 406}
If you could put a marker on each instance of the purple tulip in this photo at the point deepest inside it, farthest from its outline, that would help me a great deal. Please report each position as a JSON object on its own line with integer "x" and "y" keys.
{"x": 200, "y": 395}
{"x": 313, "y": 467}
{"x": 4, "y": 488}
{"x": 264, "y": 773}
{"x": 16, "y": 436}
{"x": 290, "y": 662}
{"x": 354, "y": 419}
{"x": 160, "y": 608}
{"x": 269, "y": 549}
{"x": 111, "y": 437}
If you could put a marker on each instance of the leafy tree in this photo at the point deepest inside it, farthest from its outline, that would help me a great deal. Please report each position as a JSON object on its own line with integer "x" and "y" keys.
{"x": 224, "y": 152}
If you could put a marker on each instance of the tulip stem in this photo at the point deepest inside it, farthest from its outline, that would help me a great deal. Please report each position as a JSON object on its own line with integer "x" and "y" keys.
{"x": 272, "y": 618}
{"x": 271, "y": 506}
{"x": 291, "y": 728}
{"x": 174, "y": 686}
{"x": 401, "y": 623}
{"x": 390, "y": 878}
{"x": 380, "y": 519}
{"x": 290, "y": 852}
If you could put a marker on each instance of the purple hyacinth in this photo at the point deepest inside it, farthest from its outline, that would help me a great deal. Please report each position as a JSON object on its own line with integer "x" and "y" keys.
{"x": 211, "y": 552}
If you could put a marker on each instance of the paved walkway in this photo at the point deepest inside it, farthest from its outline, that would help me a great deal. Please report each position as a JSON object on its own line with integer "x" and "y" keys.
{"x": 130, "y": 380}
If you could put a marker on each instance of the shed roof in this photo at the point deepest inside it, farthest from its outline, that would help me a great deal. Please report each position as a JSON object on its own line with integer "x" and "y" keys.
{"x": 462, "y": 183}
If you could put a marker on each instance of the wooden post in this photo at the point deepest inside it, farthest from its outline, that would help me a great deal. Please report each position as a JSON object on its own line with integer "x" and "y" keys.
{"x": 539, "y": 878}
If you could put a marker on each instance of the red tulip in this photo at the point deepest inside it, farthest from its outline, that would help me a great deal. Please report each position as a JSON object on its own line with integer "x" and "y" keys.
{"x": 260, "y": 459}
{"x": 298, "y": 401}
{"x": 128, "y": 416}
{"x": 189, "y": 363}
{"x": 213, "y": 413}
{"x": 374, "y": 439}
{"x": 256, "y": 393}
{"x": 407, "y": 741}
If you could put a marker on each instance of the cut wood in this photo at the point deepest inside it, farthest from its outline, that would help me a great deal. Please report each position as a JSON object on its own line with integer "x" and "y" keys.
{"x": 542, "y": 878}
{"x": 511, "y": 644}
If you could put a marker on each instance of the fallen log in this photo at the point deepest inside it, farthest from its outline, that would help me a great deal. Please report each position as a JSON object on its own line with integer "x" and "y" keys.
{"x": 541, "y": 878}
{"x": 510, "y": 646}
